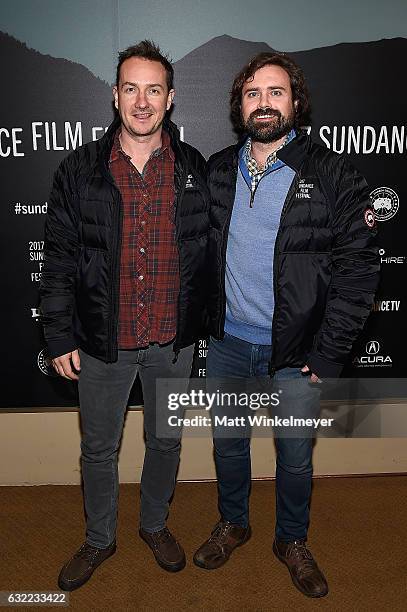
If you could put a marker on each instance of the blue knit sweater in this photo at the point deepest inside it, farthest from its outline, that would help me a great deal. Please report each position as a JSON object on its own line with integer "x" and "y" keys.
{"x": 250, "y": 252}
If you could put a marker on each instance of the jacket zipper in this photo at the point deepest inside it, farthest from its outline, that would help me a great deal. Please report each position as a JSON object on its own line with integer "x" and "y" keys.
{"x": 253, "y": 193}
{"x": 289, "y": 199}
{"x": 224, "y": 242}
{"x": 114, "y": 277}
{"x": 117, "y": 214}
{"x": 178, "y": 199}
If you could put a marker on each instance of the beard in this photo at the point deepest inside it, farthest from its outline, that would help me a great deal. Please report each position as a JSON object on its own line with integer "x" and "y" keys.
{"x": 268, "y": 131}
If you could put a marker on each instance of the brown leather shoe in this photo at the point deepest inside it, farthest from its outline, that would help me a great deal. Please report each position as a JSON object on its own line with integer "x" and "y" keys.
{"x": 168, "y": 552}
{"x": 305, "y": 573}
{"x": 81, "y": 566}
{"x": 217, "y": 549}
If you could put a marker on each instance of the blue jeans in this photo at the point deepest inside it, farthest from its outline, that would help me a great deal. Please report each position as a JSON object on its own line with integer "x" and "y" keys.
{"x": 235, "y": 358}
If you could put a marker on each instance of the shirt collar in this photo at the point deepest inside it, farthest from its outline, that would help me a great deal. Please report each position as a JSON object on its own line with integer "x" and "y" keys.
{"x": 246, "y": 151}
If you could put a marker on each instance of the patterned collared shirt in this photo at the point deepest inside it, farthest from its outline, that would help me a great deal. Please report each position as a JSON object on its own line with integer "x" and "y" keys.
{"x": 255, "y": 172}
{"x": 149, "y": 266}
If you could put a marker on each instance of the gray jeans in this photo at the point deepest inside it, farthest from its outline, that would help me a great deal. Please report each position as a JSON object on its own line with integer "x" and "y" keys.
{"x": 104, "y": 390}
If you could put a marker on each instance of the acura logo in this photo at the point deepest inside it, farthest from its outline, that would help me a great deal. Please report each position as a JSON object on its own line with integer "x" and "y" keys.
{"x": 372, "y": 347}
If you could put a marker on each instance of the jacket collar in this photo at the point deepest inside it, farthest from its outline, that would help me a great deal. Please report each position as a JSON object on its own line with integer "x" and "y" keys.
{"x": 294, "y": 153}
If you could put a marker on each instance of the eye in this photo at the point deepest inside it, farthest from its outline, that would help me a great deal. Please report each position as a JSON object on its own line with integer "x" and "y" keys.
{"x": 129, "y": 89}
{"x": 251, "y": 94}
{"x": 276, "y": 92}
{"x": 154, "y": 91}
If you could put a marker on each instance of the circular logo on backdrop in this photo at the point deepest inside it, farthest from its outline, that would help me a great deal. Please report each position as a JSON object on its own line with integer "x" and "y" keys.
{"x": 385, "y": 203}
{"x": 44, "y": 363}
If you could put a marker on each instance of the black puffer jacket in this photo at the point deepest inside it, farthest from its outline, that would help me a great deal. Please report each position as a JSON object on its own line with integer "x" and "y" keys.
{"x": 326, "y": 265}
{"x": 80, "y": 279}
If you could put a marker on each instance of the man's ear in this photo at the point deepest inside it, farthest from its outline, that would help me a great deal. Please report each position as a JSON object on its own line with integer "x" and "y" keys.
{"x": 115, "y": 96}
{"x": 170, "y": 98}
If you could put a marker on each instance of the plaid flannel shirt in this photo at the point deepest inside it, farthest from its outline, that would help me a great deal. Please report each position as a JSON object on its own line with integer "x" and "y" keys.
{"x": 149, "y": 268}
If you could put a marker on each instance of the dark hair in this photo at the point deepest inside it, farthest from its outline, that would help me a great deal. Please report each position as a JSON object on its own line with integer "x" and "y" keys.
{"x": 150, "y": 51}
{"x": 297, "y": 81}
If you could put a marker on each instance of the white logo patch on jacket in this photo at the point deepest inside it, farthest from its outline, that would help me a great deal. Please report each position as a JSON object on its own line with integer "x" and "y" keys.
{"x": 304, "y": 190}
{"x": 190, "y": 182}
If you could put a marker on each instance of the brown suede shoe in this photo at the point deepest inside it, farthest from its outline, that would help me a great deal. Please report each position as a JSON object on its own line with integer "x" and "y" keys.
{"x": 217, "y": 549}
{"x": 168, "y": 552}
{"x": 305, "y": 573}
{"x": 80, "y": 568}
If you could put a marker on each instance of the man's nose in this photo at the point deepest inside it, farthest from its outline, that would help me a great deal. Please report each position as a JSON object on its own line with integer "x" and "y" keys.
{"x": 264, "y": 100}
{"x": 141, "y": 99}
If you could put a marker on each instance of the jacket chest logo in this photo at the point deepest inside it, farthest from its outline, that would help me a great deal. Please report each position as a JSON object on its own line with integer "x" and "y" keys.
{"x": 304, "y": 190}
{"x": 190, "y": 184}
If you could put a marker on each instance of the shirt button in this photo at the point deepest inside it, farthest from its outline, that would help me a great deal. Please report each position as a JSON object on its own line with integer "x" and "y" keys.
{"x": 141, "y": 305}
{"x": 142, "y": 250}
{"x": 141, "y": 277}
{"x": 143, "y": 223}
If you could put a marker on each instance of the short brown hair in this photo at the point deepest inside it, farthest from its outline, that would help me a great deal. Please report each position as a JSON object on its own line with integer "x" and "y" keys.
{"x": 147, "y": 49}
{"x": 297, "y": 81}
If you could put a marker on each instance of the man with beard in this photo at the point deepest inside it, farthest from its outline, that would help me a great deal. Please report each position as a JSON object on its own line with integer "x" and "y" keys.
{"x": 123, "y": 294}
{"x": 294, "y": 239}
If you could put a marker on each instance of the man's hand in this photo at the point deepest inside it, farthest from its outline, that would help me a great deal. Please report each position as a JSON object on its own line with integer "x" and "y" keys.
{"x": 63, "y": 365}
{"x": 313, "y": 378}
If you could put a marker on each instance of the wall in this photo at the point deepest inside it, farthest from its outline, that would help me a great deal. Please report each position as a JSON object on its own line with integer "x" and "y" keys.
{"x": 44, "y": 449}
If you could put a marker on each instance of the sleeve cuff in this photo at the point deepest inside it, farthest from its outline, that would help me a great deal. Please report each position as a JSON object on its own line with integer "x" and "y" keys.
{"x": 62, "y": 346}
{"x": 323, "y": 368}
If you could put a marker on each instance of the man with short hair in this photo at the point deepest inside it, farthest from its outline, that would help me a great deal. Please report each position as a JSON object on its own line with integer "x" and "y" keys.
{"x": 123, "y": 293}
{"x": 293, "y": 236}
